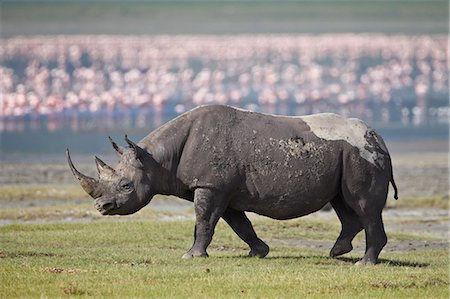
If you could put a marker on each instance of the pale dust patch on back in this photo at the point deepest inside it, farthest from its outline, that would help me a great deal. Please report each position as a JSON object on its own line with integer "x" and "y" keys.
{"x": 330, "y": 126}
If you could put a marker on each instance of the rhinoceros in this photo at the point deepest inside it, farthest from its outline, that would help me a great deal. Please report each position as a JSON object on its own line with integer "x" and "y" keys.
{"x": 229, "y": 161}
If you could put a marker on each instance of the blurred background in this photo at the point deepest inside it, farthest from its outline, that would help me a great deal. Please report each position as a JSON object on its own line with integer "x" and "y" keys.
{"x": 74, "y": 72}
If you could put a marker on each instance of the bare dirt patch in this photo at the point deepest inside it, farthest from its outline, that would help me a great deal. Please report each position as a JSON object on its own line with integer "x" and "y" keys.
{"x": 63, "y": 270}
{"x": 429, "y": 229}
{"x": 391, "y": 246}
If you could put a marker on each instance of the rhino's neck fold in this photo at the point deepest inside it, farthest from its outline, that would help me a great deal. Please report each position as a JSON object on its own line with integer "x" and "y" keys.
{"x": 166, "y": 145}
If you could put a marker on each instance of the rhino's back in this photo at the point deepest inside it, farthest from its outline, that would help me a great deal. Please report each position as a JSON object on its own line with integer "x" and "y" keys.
{"x": 266, "y": 161}
{"x": 253, "y": 151}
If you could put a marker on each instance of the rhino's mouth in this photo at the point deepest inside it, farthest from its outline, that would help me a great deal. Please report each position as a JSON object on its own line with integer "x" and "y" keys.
{"x": 106, "y": 212}
{"x": 106, "y": 208}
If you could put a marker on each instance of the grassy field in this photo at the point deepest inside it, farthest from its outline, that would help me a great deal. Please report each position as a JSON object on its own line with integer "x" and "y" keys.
{"x": 68, "y": 249}
{"x": 222, "y": 17}
{"x": 54, "y": 244}
{"x": 142, "y": 259}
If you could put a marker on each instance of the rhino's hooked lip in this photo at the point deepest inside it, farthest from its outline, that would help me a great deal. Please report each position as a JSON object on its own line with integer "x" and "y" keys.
{"x": 106, "y": 207}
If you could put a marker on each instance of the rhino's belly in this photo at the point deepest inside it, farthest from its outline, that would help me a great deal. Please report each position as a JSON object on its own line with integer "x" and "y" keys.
{"x": 283, "y": 207}
{"x": 289, "y": 192}
{"x": 286, "y": 203}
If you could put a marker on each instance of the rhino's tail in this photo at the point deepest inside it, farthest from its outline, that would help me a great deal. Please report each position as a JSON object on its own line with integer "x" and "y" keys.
{"x": 394, "y": 186}
{"x": 392, "y": 180}
{"x": 381, "y": 147}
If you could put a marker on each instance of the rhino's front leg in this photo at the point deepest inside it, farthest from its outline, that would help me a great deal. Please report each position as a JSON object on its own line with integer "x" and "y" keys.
{"x": 209, "y": 206}
{"x": 242, "y": 226}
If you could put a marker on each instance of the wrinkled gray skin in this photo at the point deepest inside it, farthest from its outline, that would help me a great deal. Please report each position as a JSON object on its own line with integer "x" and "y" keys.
{"x": 228, "y": 161}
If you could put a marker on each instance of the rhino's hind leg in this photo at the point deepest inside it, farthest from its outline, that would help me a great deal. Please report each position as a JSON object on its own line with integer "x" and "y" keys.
{"x": 209, "y": 207}
{"x": 351, "y": 226}
{"x": 242, "y": 226}
{"x": 368, "y": 207}
{"x": 376, "y": 239}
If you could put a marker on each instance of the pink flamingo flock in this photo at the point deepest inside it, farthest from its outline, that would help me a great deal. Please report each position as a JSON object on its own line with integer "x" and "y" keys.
{"x": 373, "y": 76}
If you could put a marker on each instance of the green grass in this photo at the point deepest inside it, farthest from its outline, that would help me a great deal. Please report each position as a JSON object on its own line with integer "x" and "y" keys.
{"x": 142, "y": 259}
{"x": 17, "y": 193}
{"x": 79, "y": 212}
{"x": 39, "y": 192}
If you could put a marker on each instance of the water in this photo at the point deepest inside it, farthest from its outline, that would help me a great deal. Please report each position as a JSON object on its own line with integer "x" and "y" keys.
{"x": 47, "y": 138}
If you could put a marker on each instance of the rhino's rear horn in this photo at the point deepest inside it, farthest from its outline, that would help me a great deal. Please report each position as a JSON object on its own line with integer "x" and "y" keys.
{"x": 117, "y": 148}
{"x": 90, "y": 185}
{"x": 102, "y": 167}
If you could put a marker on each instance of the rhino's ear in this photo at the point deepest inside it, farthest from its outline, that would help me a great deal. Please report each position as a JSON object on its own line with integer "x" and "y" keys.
{"x": 139, "y": 152}
{"x": 117, "y": 148}
{"x": 141, "y": 155}
{"x": 131, "y": 144}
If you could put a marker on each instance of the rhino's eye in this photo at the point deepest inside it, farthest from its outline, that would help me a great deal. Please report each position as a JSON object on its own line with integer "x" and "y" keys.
{"x": 126, "y": 186}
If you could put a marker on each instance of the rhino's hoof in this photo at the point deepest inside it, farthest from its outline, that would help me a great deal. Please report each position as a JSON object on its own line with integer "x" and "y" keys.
{"x": 259, "y": 251}
{"x": 364, "y": 262}
{"x": 190, "y": 255}
{"x": 340, "y": 249}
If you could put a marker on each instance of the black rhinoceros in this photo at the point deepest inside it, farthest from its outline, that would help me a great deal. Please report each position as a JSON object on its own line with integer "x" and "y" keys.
{"x": 229, "y": 161}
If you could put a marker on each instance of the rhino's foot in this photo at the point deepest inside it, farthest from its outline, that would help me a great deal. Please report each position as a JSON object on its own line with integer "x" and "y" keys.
{"x": 260, "y": 250}
{"x": 191, "y": 254}
{"x": 365, "y": 262}
{"x": 341, "y": 248}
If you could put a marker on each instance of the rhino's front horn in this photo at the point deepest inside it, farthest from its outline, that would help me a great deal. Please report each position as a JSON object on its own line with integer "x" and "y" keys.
{"x": 87, "y": 183}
